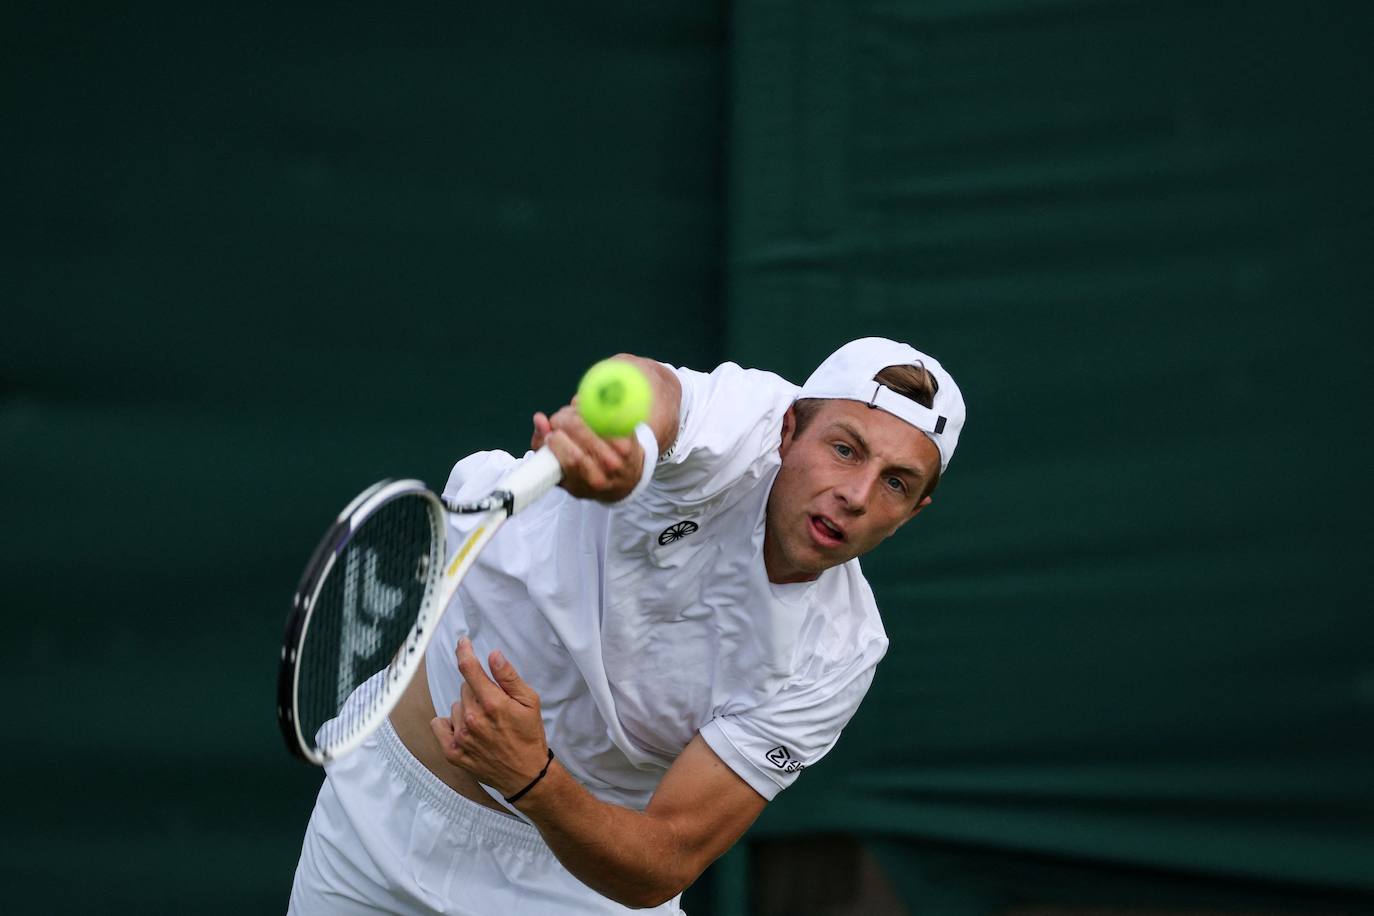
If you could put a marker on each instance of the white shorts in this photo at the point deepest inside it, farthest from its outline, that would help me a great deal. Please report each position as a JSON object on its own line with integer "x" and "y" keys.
{"x": 388, "y": 836}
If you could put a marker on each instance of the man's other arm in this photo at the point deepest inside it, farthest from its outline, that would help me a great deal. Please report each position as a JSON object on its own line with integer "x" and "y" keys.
{"x": 641, "y": 860}
{"x": 638, "y": 859}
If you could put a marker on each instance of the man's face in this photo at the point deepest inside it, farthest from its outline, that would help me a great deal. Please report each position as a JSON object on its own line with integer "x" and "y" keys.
{"x": 851, "y": 478}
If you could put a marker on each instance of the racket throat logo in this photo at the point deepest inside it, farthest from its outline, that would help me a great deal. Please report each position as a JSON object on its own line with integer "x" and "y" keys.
{"x": 368, "y": 603}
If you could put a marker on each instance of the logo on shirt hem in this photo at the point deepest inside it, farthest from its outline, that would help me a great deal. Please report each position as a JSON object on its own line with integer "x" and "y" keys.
{"x": 676, "y": 532}
{"x": 779, "y": 757}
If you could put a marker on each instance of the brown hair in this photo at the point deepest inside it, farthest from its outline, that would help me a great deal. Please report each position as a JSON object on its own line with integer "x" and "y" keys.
{"x": 914, "y": 382}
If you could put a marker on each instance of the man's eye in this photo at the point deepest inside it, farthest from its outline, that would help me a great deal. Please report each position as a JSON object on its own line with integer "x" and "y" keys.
{"x": 897, "y": 484}
{"x": 843, "y": 450}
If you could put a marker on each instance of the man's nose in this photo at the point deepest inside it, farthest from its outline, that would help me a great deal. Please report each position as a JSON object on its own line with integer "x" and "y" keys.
{"x": 854, "y": 492}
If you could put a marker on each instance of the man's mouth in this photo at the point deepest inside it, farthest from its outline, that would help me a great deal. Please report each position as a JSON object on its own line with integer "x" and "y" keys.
{"x": 826, "y": 531}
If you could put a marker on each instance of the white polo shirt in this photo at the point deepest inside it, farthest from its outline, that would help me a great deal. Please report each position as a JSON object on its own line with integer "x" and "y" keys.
{"x": 643, "y": 623}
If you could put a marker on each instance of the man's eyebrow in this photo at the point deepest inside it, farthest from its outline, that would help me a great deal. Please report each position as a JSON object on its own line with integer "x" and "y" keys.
{"x": 863, "y": 444}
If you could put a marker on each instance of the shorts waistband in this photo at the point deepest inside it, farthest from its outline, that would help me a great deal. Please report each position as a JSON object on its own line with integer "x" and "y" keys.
{"x": 492, "y": 825}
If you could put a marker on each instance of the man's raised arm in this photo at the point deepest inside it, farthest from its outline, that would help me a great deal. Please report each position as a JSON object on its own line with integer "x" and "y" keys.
{"x": 608, "y": 469}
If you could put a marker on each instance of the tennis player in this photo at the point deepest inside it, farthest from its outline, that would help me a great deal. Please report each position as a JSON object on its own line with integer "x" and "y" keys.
{"x": 640, "y": 662}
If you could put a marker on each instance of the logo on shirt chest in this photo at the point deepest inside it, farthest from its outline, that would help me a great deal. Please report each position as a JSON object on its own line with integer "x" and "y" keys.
{"x": 677, "y": 532}
{"x": 779, "y": 757}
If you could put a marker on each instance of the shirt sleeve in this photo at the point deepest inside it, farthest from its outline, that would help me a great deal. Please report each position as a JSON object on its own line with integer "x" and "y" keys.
{"x": 727, "y": 418}
{"x": 771, "y": 744}
{"x": 477, "y": 475}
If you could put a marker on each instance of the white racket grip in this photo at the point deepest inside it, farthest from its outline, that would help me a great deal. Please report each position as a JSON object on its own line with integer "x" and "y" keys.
{"x": 532, "y": 478}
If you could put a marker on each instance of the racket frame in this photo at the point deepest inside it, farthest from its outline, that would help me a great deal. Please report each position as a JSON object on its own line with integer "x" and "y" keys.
{"x": 535, "y": 476}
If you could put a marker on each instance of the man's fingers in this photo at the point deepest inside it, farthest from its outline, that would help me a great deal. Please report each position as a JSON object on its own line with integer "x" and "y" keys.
{"x": 569, "y": 421}
{"x": 474, "y": 676}
{"x": 576, "y": 463}
{"x": 588, "y": 467}
{"x": 460, "y": 713}
{"x": 443, "y": 732}
{"x": 541, "y": 431}
{"x": 593, "y": 467}
{"x": 568, "y": 453}
{"x": 510, "y": 680}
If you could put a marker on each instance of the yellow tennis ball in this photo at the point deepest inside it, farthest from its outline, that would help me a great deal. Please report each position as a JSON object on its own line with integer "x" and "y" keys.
{"x": 612, "y": 397}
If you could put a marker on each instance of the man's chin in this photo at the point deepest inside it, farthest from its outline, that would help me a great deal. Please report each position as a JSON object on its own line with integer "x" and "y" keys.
{"x": 807, "y": 559}
{"x": 818, "y": 560}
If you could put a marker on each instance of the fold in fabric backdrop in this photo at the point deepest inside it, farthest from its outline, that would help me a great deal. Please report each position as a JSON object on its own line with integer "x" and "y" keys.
{"x": 262, "y": 256}
{"x": 1134, "y": 628}
{"x": 264, "y": 260}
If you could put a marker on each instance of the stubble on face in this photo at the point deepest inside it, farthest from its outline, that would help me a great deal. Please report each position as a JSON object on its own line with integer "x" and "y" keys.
{"x": 848, "y": 481}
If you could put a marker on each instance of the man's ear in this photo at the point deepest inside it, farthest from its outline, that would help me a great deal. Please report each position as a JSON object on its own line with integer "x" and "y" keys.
{"x": 921, "y": 505}
{"x": 789, "y": 429}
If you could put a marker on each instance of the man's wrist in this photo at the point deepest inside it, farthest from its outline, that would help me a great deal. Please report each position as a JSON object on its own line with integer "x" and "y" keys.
{"x": 648, "y": 451}
{"x": 522, "y": 792}
{"x": 542, "y": 790}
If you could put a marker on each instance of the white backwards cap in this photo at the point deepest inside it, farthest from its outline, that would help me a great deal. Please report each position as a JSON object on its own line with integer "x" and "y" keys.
{"x": 848, "y": 374}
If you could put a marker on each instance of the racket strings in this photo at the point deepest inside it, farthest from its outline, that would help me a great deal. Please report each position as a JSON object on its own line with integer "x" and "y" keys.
{"x": 362, "y": 614}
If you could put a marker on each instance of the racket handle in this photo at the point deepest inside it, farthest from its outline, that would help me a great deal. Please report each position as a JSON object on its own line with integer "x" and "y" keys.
{"x": 532, "y": 478}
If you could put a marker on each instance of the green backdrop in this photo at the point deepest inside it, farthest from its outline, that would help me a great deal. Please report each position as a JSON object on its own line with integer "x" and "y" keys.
{"x": 1132, "y": 645}
{"x": 259, "y": 256}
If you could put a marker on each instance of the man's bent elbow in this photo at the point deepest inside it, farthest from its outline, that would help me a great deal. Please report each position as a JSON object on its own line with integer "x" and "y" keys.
{"x": 647, "y": 901}
{"x": 651, "y": 893}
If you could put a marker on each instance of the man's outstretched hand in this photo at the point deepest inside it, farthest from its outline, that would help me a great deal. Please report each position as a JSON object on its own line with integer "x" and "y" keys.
{"x": 593, "y": 467}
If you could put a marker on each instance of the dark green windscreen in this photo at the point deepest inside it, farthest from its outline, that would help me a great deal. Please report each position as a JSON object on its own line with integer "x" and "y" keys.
{"x": 1133, "y": 632}
{"x": 259, "y": 256}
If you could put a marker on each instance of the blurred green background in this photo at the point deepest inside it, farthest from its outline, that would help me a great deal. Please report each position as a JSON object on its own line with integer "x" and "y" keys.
{"x": 258, "y": 256}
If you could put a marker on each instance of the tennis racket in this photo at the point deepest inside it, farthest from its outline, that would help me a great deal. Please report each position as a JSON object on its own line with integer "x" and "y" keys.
{"x": 369, "y": 601}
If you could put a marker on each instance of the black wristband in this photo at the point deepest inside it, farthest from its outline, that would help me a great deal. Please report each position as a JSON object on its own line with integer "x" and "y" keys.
{"x": 512, "y": 799}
